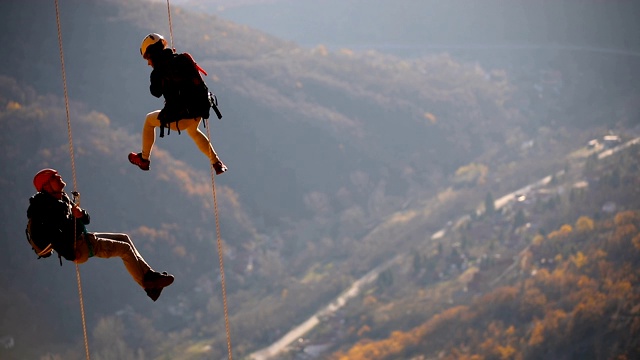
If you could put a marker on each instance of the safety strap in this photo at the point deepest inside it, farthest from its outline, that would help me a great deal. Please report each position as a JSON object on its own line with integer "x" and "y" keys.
{"x": 89, "y": 245}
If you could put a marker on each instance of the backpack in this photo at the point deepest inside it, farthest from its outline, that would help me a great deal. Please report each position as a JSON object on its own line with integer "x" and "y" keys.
{"x": 40, "y": 245}
{"x": 195, "y": 90}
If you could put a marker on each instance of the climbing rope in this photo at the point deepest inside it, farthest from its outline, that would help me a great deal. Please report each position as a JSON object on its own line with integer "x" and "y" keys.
{"x": 170, "y": 25}
{"x": 73, "y": 171}
{"x": 220, "y": 259}
{"x": 215, "y": 210}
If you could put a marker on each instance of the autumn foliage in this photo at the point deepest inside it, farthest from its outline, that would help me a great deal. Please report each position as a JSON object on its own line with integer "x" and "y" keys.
{"x": 568, "y": 304}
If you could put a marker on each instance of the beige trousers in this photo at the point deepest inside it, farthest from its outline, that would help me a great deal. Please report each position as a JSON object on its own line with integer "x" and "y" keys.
{"x": 190, "y": 125}
{"x": 106, "y": 245}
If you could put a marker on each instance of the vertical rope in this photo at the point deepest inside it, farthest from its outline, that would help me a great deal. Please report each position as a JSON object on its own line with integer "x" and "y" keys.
{"x": 170, "y": 25}
{"x": 218, "y": 236}
{"x": 73, "y": 171}
{"x": 220, "y": 257}
{"x": 66, "y": 99}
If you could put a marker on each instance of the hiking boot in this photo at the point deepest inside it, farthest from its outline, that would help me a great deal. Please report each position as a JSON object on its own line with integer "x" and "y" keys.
{"x": 219, "y": 167}
{"x": 154, "y": 294}
{"x": 136, "y": 159}
{"x": 154, "y": 280}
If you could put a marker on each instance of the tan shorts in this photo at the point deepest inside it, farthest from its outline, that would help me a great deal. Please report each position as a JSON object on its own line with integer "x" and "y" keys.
{"x": 82, "y": 249}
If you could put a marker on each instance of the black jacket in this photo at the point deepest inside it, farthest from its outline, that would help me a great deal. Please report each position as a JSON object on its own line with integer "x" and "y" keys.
{"x": 52, "y": 219}
{"x": 176, "y": 77}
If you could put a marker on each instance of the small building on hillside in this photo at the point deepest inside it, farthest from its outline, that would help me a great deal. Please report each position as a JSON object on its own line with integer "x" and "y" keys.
{"x": 610, "y": 141}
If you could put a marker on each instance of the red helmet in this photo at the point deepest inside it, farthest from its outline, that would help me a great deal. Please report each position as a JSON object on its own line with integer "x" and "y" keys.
{"x": 42, "y": 177}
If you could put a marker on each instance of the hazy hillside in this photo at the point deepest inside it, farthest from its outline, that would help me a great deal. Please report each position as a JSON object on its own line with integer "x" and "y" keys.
{"x": 559, "y": 281}
{"x": 414, "y": 27}
{"x": 118, "y": 200}
{"x": 323, "y": 148}
{"x": 256, "y": 77}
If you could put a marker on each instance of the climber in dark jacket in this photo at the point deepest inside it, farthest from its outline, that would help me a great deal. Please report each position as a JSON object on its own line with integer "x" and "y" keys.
{"x": 55, "y": 217}
{"x": 177, "y": 78}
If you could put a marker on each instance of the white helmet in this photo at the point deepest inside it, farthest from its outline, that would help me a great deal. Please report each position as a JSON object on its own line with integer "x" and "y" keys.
{"x": 149, "y": 40}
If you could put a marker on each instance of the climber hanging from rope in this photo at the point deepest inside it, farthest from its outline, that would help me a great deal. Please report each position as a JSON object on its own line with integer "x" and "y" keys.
{"x": 176, "y": 77}
{"x": 57, "y": 220}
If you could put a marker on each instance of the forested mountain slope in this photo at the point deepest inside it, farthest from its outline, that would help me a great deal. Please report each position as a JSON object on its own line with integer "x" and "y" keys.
{"x": 322, "y": 148}
{"x": 565, "y": 286}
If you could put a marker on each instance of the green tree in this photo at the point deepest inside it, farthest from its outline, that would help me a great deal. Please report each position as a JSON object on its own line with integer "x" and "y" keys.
{"x": 385, "y": 279}
{"x": 519, "y": 219}
{"x": 417, "y": 262}
{"x": 614, "y": 178}
{"x": 489, "y": 204}
{"x": 109, "y": 341}
{"x": 590, "y": 164}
